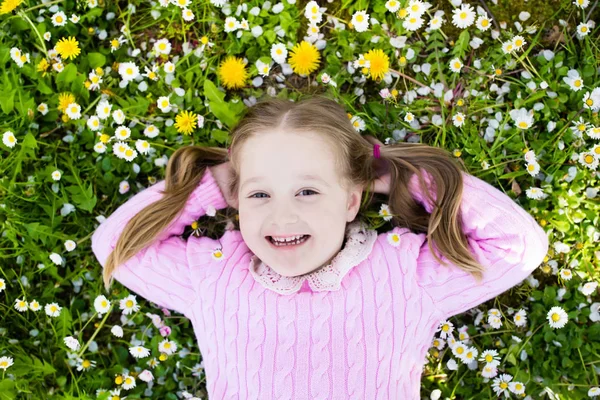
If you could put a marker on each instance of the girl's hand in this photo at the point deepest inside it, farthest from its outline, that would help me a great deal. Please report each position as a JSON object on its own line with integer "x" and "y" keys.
{"x": 382, "y": 183}
{"x": 223, "y": 174}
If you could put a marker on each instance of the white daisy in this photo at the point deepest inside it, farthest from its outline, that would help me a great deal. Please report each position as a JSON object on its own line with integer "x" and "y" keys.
{"x": 52, "y": 309}
{"x": 489, "y": 371}
{"x": 523, "y": 119}
{"x": 122, "y": 132}
{"x": 516, "y": 387}
{"x": 101, "y": 304}
{"x": 445, "y": 328}
{"x": 592, "y": 100}
{"x": 5, "y": 362}
{"x": 455, "y": 65}
{"x": 458, "y": 119}
{"x": 464, "y": 16}
{"x": 118, "y": 116}
{"x": 129, "y": 304}
{"x": 360, "y": 21}
{"x": 59, "y": 19}
{"x": 128, "y": 71}
{"x": 495, "y": 321}
{"x": 94, "y": 123}
{"x": 417, "y": 8}
{"x": 508, "y": 47}
{"x": 103, "y": 109}
{"x": 164, "y": 104}
{"x": 459, "y": 350}
{"x": 412, "y": 23}
{"x": 128, "y": 382}
{"x": 392, "y": 5}
{"x": 117, "y": 331}
{"x": 409, "y": 117}
{"x": 167, "y": 346}
{"x": 557, "y": 317}
{"x": 169, "y": 67}
{"x": 21, "y": 305}
{"x": 162, "y": 46}
{"x": 518, "y": 42}
{"x": 581, "y": 3}
{"x": 43, "y": 108}
{"x": 72, "y": 343}
{"x": 470, "y": 355}
{"x": 500, "y": 384}
{"x": 34, "y": 305}
{"x": 151, "y": 131}
{"x": 73, "y": 110}
{"x": 187, "y": 14}
{"x": 435, "y": 23}
{"x": 9, "y": 139}
{"x": 520, "y": 318}
{"x": 231, "y": 24}
{"x": 583, "y": 29}
{"x": 279, "y": 53}
{"x": 490, "y": 357}
{"x": 574, "y": 80}
{"x": 483, "y": 23}
{"x": 139, "y": 351}
{"x": 2, "y": 284}
{"x": 566, "y": 274}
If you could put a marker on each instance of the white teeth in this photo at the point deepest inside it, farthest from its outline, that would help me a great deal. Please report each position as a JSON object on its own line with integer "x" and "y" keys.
{"x": 290, "y": 239}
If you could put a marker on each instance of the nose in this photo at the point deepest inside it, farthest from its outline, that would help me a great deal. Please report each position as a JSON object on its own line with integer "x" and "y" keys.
{"x": 283, "y": 215}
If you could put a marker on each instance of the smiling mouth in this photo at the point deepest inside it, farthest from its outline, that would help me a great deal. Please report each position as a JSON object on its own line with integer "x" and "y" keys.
{"x": 294, "y": 243}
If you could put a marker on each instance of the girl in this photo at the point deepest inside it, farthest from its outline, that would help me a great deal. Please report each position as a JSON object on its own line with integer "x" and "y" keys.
{"x": 304, "y": 301}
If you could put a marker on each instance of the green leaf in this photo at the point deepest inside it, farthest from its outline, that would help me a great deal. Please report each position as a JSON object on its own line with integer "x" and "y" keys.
{"x": 218, "y": 106}
{"x": 7, "y": 390}
{"x": 64, "y": 322}
{"x": 43, "y": 88}
{"x": 549, "y": 295}
{"x": 83, "y": 197}
{"x": 96, "y": 60}
{"x": 68, "y": 74}
{"x": 7, "y": 102}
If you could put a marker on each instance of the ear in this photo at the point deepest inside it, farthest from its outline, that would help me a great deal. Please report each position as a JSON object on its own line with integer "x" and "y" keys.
{"x": 354, "y": 200}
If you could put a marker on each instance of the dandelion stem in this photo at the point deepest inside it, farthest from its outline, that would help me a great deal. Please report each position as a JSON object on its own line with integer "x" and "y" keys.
{"x": 43, "y": 5}
{"x": 96, "y": 332}
{"x": 26, "y": 18}
{"x": 408, "y": 77}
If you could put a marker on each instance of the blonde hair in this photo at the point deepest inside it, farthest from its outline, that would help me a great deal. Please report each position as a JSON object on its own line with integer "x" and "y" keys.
{"x": 355, "y": 164}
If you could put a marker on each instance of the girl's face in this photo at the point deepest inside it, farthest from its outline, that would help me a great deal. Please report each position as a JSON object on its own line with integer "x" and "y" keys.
{"x": 276, "y": 198}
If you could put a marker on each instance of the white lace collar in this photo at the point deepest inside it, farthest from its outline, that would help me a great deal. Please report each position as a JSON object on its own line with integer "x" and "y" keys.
{"x": 359, "y": 243}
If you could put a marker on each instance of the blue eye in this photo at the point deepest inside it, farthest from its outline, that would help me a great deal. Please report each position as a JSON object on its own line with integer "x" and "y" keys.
{"x": 303, "y": 190}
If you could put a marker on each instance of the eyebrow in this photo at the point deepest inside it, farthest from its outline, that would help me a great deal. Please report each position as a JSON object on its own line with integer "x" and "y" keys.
{"x": 305, "y": 177}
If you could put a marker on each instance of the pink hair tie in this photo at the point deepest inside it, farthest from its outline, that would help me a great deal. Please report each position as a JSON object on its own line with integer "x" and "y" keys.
{"x": 376, "y": 152}
{"x": 228, "y": 151}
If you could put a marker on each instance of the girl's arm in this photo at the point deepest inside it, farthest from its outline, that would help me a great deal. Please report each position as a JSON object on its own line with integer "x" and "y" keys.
{"x": 502, "y": 236}
{"x": 161, "y": 272}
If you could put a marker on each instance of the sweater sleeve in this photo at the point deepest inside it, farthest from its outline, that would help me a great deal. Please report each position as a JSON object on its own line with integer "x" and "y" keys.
{"x": 160, "y": 272}
{"x": 505, "y": 239}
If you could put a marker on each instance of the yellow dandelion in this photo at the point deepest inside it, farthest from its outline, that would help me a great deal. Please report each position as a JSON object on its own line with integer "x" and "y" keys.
{"x": 380, "y": 63}
{"x": 232, "y": 73}
{"x": 304, "y": 58}
{"x": 43, "y": 66}
{"x": 64, "y": 99}
{"x": 68, "y": 48}
{"x": 186, "y": 122}
{"x": 9, "y": 5}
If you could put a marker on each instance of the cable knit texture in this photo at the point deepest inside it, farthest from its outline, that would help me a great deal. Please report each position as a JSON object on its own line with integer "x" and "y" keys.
{"x": 357, "y": 329}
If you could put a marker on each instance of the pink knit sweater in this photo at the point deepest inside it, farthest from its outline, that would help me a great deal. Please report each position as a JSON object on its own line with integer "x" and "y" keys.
{"x": 357, "y": 329}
